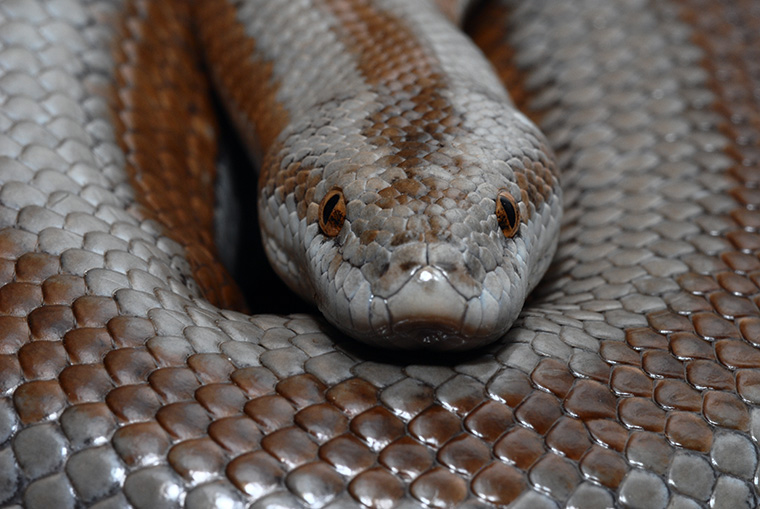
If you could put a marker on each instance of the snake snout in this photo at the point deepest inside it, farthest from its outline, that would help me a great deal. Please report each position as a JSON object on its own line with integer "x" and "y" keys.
{"x": 427, "y": 312}
{"x": 428, "y": 296}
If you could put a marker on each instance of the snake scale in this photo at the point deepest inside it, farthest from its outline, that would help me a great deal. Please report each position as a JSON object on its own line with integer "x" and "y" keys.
{"x": 131, "y": 375}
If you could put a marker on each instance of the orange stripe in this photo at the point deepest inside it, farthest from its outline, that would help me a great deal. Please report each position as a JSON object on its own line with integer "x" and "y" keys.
{"x": 165, "y": 127}
{"x": 242, "y": 77}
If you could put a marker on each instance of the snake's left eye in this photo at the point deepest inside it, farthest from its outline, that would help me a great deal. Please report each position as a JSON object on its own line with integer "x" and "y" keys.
{"x": 332, "y": 212}
{"x": 507, "y": 214}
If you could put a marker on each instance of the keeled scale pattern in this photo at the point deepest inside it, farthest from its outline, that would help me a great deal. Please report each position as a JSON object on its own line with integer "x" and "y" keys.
{"x": 152, "y": 397}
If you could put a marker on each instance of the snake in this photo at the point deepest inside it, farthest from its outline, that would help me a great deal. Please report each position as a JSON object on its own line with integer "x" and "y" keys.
{"x": 542, "y": 298}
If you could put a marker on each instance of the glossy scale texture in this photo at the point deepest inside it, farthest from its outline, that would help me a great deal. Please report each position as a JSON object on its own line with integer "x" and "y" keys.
{"x": 630, "y": 378}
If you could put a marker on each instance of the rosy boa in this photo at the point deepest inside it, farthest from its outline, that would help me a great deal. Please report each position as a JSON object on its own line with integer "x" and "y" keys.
{"x": 629, "y": 379}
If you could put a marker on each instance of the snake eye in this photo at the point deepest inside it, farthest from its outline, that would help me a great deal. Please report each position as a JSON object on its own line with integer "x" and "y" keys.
{"x": 332, "y": 212}
{"x": 507, "y": 214}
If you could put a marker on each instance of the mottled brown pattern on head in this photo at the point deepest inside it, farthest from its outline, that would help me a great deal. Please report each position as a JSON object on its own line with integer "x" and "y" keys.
{"x": 414, "y": 127}
{"x": 414, "y": 124}
{"x": 295, "y": 178}
{"x": 417, "y": 119}
{"x": 166, "y": 129}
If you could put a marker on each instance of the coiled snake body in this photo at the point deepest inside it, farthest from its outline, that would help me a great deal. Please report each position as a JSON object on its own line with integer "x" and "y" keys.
{"x": 629, "y": 379}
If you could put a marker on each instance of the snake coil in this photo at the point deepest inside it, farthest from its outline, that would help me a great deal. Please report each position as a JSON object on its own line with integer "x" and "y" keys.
{"x": 403, "y": 191}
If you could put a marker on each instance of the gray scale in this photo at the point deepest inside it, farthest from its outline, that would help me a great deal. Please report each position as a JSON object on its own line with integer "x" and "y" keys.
{"x": 646, "y": 190}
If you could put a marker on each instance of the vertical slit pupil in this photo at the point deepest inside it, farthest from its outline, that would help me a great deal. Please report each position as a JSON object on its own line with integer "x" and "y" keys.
{"x": 509, "y": 210}
{"x": 329, "y": 206}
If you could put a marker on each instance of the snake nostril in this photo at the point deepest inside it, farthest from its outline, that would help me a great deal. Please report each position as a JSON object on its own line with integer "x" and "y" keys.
{"x": 507, "y": 214}
{"x": 332, "y": 212}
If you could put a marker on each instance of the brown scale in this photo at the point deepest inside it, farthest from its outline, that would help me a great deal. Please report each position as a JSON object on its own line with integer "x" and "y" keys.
{"x": 33, "y": 349}
{"x": 167, "y": 131}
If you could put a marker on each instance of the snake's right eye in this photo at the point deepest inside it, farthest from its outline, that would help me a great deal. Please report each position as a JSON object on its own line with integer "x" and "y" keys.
{"x": 332, "y": 212}
{"x": 507, "y": 214}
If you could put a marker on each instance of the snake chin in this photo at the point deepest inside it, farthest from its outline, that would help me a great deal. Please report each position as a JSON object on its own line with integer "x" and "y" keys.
{"x": 428, "y": 334}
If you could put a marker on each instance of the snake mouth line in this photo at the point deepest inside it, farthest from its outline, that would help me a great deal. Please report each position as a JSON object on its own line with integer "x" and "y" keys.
{"x": 423, "y": 332}
{"x": 428, "y": 333}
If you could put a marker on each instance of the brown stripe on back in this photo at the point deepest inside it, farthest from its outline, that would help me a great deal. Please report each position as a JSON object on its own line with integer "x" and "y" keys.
{"x": 244, "y": 80}
{"x": 417, "y": 119}
{"x": 165, "y": 127}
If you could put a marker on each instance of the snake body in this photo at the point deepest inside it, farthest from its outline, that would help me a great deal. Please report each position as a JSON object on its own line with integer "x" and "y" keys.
{"x": 629, "y": 379}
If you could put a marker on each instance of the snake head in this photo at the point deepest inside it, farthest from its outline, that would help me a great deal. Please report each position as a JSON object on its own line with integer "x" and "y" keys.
{"x": 412, "y": 239}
